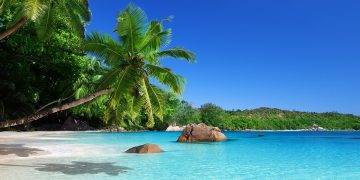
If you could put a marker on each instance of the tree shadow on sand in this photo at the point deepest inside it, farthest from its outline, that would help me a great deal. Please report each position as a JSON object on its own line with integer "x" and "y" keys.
{"x": 76, "y": 168}
{"x": 18, "y": 150}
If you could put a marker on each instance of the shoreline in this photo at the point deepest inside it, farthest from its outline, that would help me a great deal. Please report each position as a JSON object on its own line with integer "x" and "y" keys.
{"x": 15, "y": 145}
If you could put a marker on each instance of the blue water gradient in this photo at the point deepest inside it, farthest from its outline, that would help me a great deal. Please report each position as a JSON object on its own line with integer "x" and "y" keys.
{"x": 276, "y": 155}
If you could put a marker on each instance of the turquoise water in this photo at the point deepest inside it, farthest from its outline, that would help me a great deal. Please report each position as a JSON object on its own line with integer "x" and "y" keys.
{"x": 276, "y": 155}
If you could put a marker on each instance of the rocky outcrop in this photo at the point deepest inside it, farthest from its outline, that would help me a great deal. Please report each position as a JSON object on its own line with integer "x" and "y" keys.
{"x": 175, "y": 128}
{"x": 72, "y": 124}
{"x": 201, "y": 132}
{"x": 316, "y": 127}
{"x": 49, "y": 127}
{"x": 145, "y": 148}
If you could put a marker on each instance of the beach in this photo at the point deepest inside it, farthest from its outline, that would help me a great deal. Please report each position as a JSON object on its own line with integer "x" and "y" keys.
{"x": 245, "y": 155}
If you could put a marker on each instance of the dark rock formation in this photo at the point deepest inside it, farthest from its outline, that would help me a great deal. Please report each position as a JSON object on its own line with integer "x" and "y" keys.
{"x": 201, "y": 132}
{"x": 72, "y": 124}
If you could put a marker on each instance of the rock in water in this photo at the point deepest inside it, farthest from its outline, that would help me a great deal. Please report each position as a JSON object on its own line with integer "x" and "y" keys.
{"x": 201, "y": 132}
{"x": 145, "y": 148}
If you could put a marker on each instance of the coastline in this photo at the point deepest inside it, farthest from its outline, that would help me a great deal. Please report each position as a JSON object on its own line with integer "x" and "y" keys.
{"x": 105, "y": 151}
{"x": 14, "y": 145}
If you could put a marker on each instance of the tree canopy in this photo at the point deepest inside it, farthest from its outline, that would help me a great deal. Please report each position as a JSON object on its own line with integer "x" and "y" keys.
{"x": 132, "y": 61}
{"x": 33, "y": 72}
{"x": 44, "y": 13}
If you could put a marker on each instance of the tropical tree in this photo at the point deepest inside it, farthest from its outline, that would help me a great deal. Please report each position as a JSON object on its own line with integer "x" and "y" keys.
{"x": 211, "y": 114}
{"x": 185, "y": 114}
{"x": 43, "y": 12}
{"x": 131, "y": 62}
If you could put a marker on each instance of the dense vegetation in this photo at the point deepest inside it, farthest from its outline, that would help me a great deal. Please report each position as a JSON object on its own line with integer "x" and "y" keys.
{"x": 36, "y": 72}
{"x": 264, "y": 118}
{"x": 41, "y": 70}
{"x": 42, "y": 76}
{"x": 181, "y": 113}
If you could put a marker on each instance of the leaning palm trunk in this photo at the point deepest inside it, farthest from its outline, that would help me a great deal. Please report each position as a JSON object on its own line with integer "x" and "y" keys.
{"x": 52, "y": 110}
{"x": 13, "y": 29}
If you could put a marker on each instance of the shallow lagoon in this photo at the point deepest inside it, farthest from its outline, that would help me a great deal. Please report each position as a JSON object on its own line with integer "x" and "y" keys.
{"x": 276, "y": 155}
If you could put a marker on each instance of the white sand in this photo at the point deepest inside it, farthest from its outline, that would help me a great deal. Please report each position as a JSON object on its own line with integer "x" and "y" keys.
{"x": 17, "y": 145}
{"x": 30, "y": 145}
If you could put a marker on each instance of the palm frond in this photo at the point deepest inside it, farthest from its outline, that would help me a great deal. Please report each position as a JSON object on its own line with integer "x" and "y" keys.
{"x": 147, "y": 105}
{"x": 45, "y": 24}
{"x": 73, "y": 19}
{"x": 135, "y": 105}
{"x": 105, "y": 48}
{"x": 157, "y": 99}
{"x": 131, "y": 27}
{"x": 108, "y": 79}
{"x": 32, "y": 9}
{"x": 166, "y": 77}
{"x": 155, "y": 37}
{"x": 125, "y": 83}
{"x": 80, "y": 7}
{"x": 177, "y": 53}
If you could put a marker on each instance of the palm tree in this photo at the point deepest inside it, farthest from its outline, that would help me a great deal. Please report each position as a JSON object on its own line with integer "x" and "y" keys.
{"x": 44, "y": 13}
{"x": 132, "y": 62}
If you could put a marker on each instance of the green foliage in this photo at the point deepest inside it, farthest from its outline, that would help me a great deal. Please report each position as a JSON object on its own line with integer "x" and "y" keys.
{"x": 34, "y": 72}
{"x": 211, "y": 114}
{"x": 261, "y": 118}
{"x": 276, "y": 119}
{"x": 185, "y": 114}
{"x": 44, "y": 14}
{"x": 132, "y": 61}
{"x": 86, "y": 84}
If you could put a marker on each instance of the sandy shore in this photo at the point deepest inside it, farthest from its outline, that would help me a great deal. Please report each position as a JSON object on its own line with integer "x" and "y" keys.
{"x": 48, "y": 144}
{"x": 14, "y": 145}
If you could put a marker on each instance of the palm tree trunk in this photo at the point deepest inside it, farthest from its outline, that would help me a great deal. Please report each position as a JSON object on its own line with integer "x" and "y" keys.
{"x": 13, "y": 29}
{"x": 52, "y": 110}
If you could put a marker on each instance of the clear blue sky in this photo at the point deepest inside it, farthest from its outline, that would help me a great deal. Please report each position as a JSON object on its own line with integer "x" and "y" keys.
{"x": 289, "y": 54}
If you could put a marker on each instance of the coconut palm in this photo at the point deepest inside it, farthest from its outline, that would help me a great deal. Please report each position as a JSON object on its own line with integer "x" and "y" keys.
{"x": 131, "y": 63}
{"x": 44, "y": 13}
{"x": 133, "y": 60}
